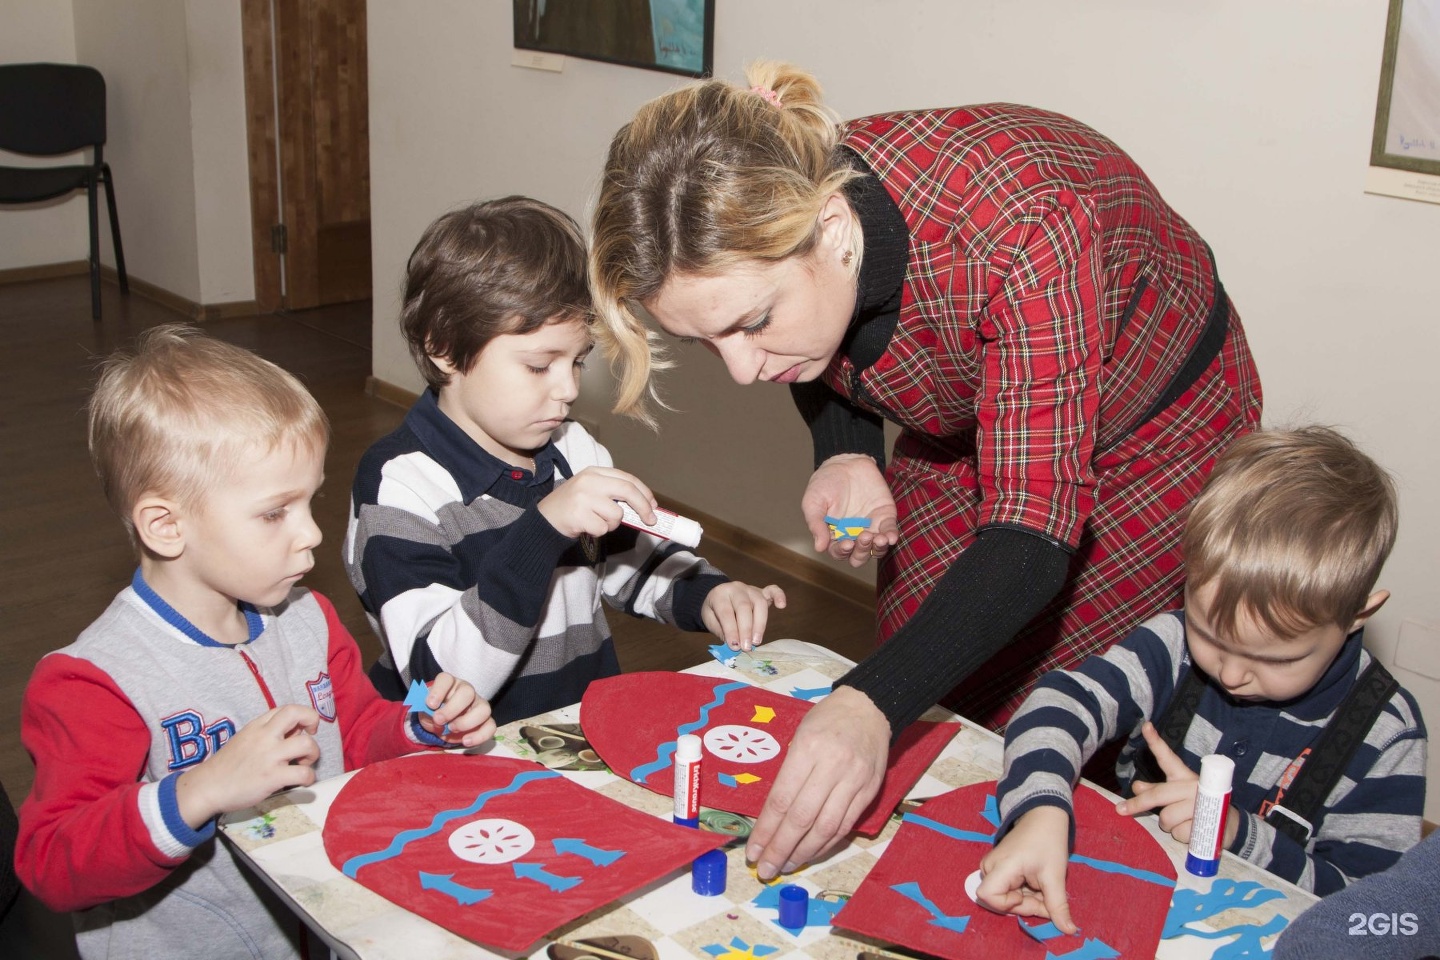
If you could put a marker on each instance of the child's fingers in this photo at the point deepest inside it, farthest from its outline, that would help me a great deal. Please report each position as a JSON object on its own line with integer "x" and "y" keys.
{"x": 774, "y": 595}
{"x": 1057, "y": 903}
{"x": 439, "y": 691}
{"x": 1177, "y": 815}
{"x": 299, "y": 749}
{"x": 290, "y": 718}
{"x": 1157, "y": 796}
{"x": 1169, "y": 762}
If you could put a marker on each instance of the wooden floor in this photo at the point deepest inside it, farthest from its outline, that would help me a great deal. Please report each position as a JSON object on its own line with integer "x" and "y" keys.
{"x": 63, "y": 554}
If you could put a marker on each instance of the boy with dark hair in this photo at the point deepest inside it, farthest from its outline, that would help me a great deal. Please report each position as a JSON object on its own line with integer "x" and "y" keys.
{"x": 1264, "y": 665}
{"x": 485, "y": 531}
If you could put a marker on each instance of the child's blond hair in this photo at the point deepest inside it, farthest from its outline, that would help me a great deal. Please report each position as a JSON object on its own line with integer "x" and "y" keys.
{"x": 184, "y": 410}
{"x": 1292, "y": 526}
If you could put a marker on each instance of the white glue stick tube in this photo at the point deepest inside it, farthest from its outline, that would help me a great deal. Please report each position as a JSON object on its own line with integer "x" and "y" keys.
{"x": 667, "y": 526}
{"x": 1212, "y": 804}
{"x": 687, "y": 781}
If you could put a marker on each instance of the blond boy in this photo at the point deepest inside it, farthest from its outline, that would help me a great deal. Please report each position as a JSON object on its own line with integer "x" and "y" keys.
{"x": 213, "y": 680}
{"x": 1282, "y": 550}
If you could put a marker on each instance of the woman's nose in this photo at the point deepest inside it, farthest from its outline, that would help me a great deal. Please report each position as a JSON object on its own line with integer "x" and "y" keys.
{"x": 743, "y": 362}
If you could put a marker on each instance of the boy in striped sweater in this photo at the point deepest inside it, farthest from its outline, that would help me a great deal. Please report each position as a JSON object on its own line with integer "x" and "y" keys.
{"x": 485, "y": 531}
{"x": 1264, "y": 665}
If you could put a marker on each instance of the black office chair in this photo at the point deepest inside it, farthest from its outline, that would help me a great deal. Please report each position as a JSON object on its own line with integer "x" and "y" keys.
{"x": 53, "y": 108}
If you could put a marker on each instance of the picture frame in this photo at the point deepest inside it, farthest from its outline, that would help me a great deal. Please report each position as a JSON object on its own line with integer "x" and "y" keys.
{"x": 1407, "y": 111}
{"x": 672, "y": 36}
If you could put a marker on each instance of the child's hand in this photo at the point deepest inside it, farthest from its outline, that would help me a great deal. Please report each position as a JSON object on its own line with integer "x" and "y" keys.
{"x": 586, "y": 503}
{"x": 1025, "y": 873}
{"x": 455, "y": 702}
{"x": 736, "y": 612}
{"x": 1175, "y": 798}
{"x": 275, "y": 751}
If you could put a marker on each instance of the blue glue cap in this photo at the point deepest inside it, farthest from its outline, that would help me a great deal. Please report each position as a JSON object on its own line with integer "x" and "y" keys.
{"x": 794, "y": 906}
{"x": 707, "y": 873}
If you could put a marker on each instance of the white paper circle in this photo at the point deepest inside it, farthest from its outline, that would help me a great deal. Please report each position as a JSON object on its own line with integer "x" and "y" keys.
{"x": 491, "y": 841}
{"x": 972, "y": 888}
{"x": 972, "y": 884}
{"x": 741, "y": 744}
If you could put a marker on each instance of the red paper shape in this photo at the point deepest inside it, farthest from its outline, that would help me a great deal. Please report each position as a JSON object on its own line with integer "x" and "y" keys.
{"x": 395, "y": 820}
{"x": 633, "y": 720}
{"x": 1124, "y": 911}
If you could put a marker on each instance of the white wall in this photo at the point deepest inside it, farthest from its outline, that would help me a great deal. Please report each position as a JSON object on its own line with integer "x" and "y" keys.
{"x": 175, "y": 84}
{"x": 1254, "y": 122}
{"x": 53, "y": 231}
{"x": 218, "y": 140}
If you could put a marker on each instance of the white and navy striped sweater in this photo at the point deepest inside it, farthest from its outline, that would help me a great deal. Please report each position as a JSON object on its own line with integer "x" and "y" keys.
{"x": 1370, "y": 818}
{"x": 459, "y": 571}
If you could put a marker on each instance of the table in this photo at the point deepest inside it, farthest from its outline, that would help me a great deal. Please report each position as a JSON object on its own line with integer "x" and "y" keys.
{"x": 280, "y": 839}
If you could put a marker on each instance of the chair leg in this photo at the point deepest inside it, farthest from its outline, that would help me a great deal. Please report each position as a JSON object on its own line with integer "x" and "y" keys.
{"x": 115, "y": 229}
{"x": 90, "y": 193}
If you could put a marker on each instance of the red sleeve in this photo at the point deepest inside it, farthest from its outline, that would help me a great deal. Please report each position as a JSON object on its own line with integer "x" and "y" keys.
{"x": 1040, "y": 391}
{"x": 371, "y": 727}
{"x": 83, "y": 839}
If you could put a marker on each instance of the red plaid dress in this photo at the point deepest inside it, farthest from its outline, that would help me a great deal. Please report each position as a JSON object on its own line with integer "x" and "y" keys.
{"x": 1050, "y": 296}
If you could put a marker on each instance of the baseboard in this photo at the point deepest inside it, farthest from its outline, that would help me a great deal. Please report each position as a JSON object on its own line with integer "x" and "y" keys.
{"x": 44, "y": 271}
{"x": 200, "y": 312}
{"x": 383, "y": 390}
{"x": 815, "y": 572}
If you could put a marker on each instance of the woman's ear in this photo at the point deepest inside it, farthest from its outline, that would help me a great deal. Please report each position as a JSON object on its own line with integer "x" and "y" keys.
{"x": 836, "y": 233}
{"x": 159, "y": 526}
{"x": 1372, "y": 605}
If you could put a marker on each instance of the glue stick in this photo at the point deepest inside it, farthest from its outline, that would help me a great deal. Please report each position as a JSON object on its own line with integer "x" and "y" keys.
{"x": 667, "y": 526}
{"x": 1212, "y": 803}
{"x": 687, "y": 781}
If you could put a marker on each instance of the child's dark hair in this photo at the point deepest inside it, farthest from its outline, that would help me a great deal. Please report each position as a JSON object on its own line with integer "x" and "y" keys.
{"x": 505, "y": 266}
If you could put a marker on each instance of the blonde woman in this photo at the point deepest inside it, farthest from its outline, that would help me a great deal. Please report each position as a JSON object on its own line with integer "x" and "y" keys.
{"x": 1007, "y": 286}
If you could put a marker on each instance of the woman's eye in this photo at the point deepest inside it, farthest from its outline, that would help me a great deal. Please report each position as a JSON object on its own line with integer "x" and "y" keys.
{"x": 274, "y": 516}
{"x": 535, "y": 370}
{"x": 755, "y": 328}
{"x": 687, "y": 340}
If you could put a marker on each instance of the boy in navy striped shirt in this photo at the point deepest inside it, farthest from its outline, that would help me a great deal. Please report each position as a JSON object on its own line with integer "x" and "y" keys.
{"x": 1264, "y": 665}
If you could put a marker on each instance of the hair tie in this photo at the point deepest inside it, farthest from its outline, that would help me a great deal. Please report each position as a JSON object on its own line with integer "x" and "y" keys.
{"x": 768, "y": 94}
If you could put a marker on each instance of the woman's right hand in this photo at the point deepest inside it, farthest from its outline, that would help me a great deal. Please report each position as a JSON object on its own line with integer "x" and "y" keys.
{"x": 851, "y": 485}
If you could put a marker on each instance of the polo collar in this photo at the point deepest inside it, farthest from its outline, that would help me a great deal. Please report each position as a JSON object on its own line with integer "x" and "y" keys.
{"x": 474, "y": 468}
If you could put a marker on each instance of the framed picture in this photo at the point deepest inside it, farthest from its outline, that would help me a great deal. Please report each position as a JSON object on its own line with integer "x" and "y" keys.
{"x": 1407, "y": 114}
{"x": 675, "y": 36}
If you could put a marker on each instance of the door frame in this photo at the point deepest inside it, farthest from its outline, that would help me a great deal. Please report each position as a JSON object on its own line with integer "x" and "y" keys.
{"x": 258, "y": 35}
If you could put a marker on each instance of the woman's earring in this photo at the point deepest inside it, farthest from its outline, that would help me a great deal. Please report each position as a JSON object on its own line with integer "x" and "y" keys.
{"x": 845, "y": 260}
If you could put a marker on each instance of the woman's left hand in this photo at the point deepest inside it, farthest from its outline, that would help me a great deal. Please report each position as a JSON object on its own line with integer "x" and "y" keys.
{"x": 851, "y": 485}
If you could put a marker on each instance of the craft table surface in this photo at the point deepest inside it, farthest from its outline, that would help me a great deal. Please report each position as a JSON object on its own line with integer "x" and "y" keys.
{"x": 281, "y": 840}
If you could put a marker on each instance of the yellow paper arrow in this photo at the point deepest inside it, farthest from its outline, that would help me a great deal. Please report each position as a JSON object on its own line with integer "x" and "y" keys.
{"x": 763, "y": 715}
